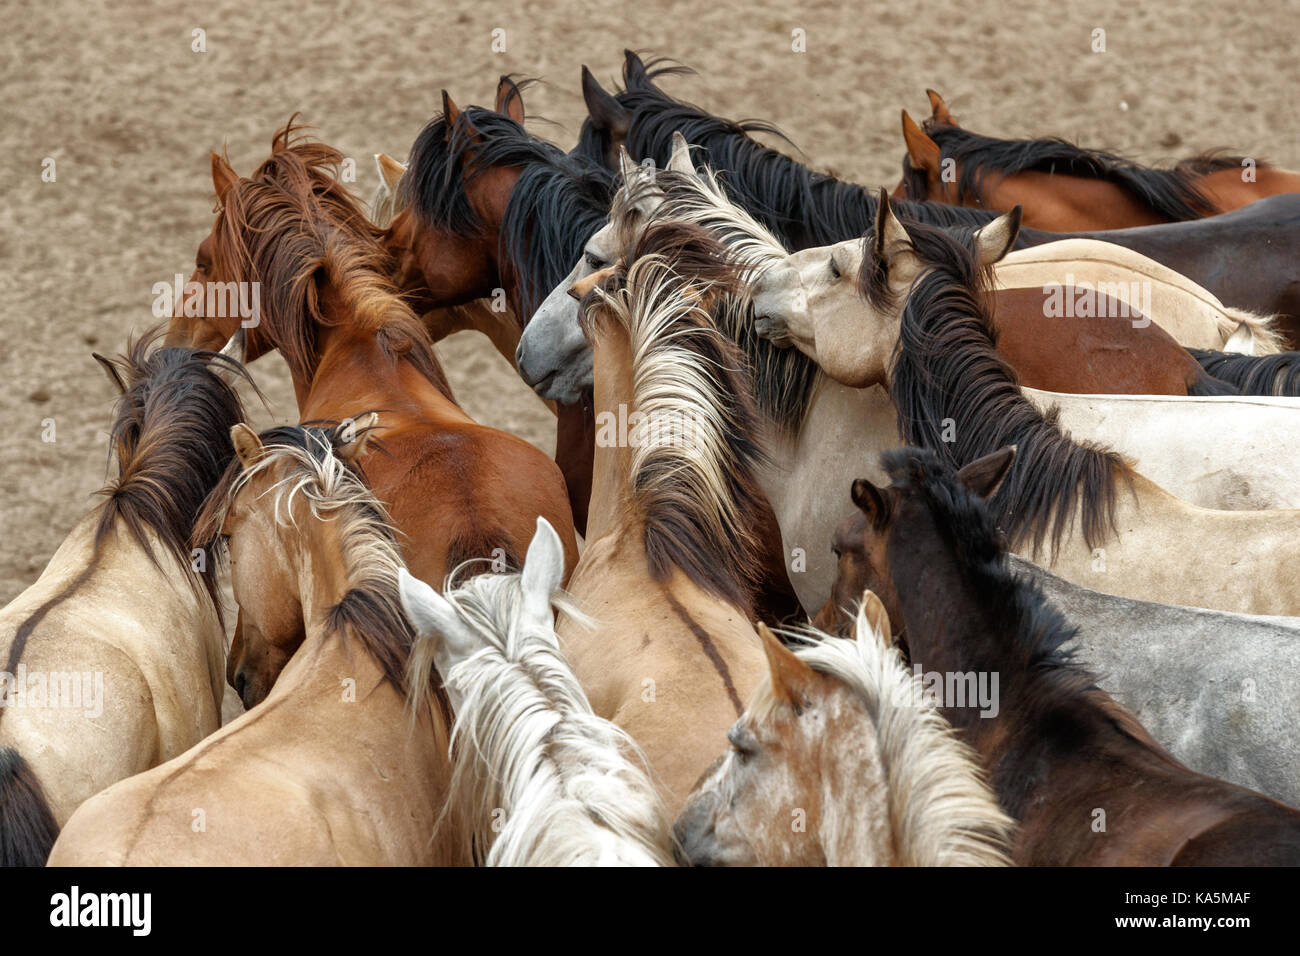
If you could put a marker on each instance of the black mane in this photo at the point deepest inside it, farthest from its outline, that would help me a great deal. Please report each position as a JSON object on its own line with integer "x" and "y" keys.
{"x": 946, "y": 368}
{"x": 554, "y": 208}
{"x": 1253, "y": 374}
{"x": 803, "y": 208}
{"x": 1172, "y": 193}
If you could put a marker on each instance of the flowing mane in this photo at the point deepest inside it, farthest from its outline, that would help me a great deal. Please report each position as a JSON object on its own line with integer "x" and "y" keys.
{"x": 946, "y": 369}
{"x": 941, "y": 812}
{"x": 1028, "y": 635}
{"x": 371, "y": 610}
{"x": 290, "y": 224}
{"x": 1172, "y": 193}
{"x": 802, "y": 207}
{"x": 693, "y": 472}
{"x": 1277, "y": 374}
{"x": 573, "y": 786}
{"x": 554, "y": 207}
{"x": 170, "y": 443}
{"x": 783, "y": 380}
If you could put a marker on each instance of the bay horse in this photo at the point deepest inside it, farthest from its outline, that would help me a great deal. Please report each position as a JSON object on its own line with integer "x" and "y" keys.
{"x": 455, "y": 489}
{"x": 669, "y": 565}
{"x": 541, "y": 780}
{"x": 1082, "y": 507}
{"x": 1084, "y": 780}
{"x": 113, "y": 657}
{"x": 1249, "y": 258}
{"x": 492, "y": 212}
{"x": 840, "y": 739}
{"x": 1067, "y": 188}
{"x": 334, "y": 766}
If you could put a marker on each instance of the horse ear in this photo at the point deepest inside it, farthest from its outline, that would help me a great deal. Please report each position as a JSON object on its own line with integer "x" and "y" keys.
{"x": 634, "y": 70}
{"x": 994, "y": 241}
{"x": 510, "y": 102}
{"x": 114, "y": 375}
{"x": 628, "y": 168}
{"x": 889, "y": 231}
{"x": 790, "y": 676}
{"x": 983, "y": 476}
{"x": 680, "y": 160}
{"x": 352, "y": 438}
{"x": 939, "y": 109}
{"x": 543, "y": 573}
{"x": 605, "y": 111}
{"x": 223, "y": 175}
{"x": 870, "y": 501}
{"x": 921, "y": 149}
{"x": 873, "y": 620}
{"x": 434, "y": 617}
{"x": 390, "y": 170}
{"x": 248, "y": 447}
{"x": 450, "y": 113}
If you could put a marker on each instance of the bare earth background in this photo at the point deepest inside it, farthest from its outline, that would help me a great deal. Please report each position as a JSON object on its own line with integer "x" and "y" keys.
{"x": 128, "y": 112}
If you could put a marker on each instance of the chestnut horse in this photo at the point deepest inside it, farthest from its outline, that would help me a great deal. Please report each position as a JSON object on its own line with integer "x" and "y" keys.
{"x": 490, "y": 212}
{"x": 841, "y": 739}
{"x": 112, "y": 658}
{"x": 1086, "y": 782}
{"x": 1066, "y": 188}
{"x": 338, "y": 765}
{"x": 572, "y": 786}
{"x": 670, "y": 564}
{"x": 455, "y": 489}
{"x": 1249, "y": 258}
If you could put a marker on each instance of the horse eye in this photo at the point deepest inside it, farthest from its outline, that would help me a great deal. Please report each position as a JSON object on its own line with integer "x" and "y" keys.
{"x": 835, "y": 270}
{"x": 743, "y": 742}
{"x": 594, "y": 262}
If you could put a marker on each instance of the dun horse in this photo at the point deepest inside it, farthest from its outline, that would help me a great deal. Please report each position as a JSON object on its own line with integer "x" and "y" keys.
{"x": 333, "y": 767}
{"x": 113, "y": 657}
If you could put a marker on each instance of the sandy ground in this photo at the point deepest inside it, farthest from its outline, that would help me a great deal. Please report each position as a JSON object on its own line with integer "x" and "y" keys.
{"x": 128, "y": 112}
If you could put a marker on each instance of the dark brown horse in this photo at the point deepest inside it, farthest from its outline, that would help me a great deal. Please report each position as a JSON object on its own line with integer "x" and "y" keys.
{"x": 492, "y": 212}
{"x": 1249, "y": 258}
{"x": 1063, "y": 187}
{"x": 455, "y": 489}
{"x": 1088, "y": 785}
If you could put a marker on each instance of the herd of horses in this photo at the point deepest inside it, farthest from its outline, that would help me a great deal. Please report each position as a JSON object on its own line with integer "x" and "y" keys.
{"x": 957, "y": 526}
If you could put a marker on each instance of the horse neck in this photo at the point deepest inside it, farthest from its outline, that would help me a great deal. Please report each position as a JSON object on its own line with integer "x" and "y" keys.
{"x": 611, "y": 463}
{"x": 354, "y": 374}
{"x": 855, "y": 828}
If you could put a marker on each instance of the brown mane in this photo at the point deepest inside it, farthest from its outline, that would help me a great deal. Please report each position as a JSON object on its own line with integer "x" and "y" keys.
{"x": 293, "y": 227}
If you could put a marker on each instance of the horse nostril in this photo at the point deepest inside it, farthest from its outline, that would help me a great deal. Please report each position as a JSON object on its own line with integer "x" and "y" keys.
{"x": 240, "y": 683}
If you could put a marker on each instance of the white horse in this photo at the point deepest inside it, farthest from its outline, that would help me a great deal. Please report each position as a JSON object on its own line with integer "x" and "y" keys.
{"x": 540, "y": 779}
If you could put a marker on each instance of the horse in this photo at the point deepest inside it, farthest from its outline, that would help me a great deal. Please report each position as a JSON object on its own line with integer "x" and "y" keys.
{"x": 541, "y": 779}
{"x": 1084, "y": 508}
{"x": 493, "y": 212}
{"x": 113, "y": 657}
{"x": 669, "y": 564}
{"x": 1276, "y": 374}
{"x": 840, "y": 740}
{"x": 1083, "y": 778}
{"x": 1067, "y": 188}
{"x": 1249, "y": 258}
{"x": 334, "y": 767}
{"x": 454, "y": 488}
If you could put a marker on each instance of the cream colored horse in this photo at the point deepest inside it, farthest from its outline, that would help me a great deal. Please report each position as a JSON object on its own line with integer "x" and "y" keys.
{"x": 1113, "y": 531}
{"x": 841, "y": 760}
{"x": 668, "y": 554}
{"x": 111, "y": 662}
{"x": 541, "y": 779}
{"x": 332, "y": 767}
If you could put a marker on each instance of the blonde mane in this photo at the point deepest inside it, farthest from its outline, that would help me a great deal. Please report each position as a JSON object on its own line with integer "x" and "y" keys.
{"x": 539, "y": 779}
{"x": 942, "y": 813}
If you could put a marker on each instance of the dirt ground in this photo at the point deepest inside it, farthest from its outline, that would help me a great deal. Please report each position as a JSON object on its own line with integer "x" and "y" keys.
{"x": 127, "y": 110}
